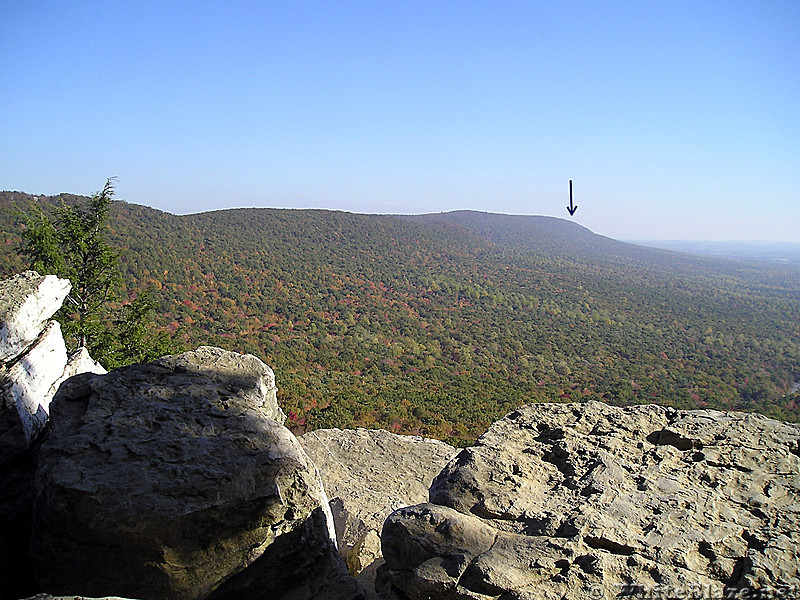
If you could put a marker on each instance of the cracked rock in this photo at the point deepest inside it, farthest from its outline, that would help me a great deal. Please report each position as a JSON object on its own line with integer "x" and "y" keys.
{"x": 27, "y": 302}
{"x": 33, "y": 363}
{"x": 593, "y": 500}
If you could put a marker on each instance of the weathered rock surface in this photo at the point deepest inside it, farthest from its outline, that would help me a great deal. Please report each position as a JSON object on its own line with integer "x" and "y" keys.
{"x": 373, "y": 472}
{"x": 368, "y": 473}
{"x": 174, "y": 480}
{"x": 26, "y": 388}
{"x": 254, "y": 379}
{"x": 580, "y": 500}
{"x": 79, "y": 362}
{"x": 298, "y": 565}
{"x": 27, "y": 302}
{"x": 28, "y": 385}
{"x": 33, "y": 358}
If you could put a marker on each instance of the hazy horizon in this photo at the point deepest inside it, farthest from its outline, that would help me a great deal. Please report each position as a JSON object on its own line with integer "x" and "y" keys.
{"x": 675, "y": 121}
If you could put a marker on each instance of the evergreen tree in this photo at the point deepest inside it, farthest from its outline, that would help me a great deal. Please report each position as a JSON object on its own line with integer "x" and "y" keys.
{"x": 71, "y": 243}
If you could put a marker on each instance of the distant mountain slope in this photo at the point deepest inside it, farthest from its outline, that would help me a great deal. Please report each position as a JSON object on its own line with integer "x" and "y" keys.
{"x": 554, "y": 237}
{"x": 438, "y": 324}
{"x": 561, "y": 237}
{"x": 541, "y": 234}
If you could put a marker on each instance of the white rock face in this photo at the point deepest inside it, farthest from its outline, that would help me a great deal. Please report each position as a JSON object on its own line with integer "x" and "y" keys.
{"x": 33, "y": 357}
{"x": 27, "y": 301}
{"x": 28, "y": 387}
{"x": 80, "y": 362}
{"x": 33, "y": 364}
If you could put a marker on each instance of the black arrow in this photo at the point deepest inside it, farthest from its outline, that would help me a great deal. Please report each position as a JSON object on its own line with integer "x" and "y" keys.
{"x": 571, "y": 208}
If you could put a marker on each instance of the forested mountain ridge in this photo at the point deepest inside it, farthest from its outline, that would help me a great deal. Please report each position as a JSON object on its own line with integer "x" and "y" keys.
{"x": 554, "y": 236}
{"x": 528, "y": 232}
{"x": 439, "y": 324}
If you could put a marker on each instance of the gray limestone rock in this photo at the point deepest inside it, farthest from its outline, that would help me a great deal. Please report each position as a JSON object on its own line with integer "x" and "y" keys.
{"x": 174, "y": 480}
{"x": 298, "y": 565}
{"x": 368, "y": 473}
{"x": 372, "y": 472}
{"x": 433, "y": 551}
{"x": 247, "y": 372}
{"x": 590, "y": 500}
{"x": 366, "y": 551}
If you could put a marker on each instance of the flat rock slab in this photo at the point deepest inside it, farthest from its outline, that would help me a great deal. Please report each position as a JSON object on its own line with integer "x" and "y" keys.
{"x": 167, "y": 479}
{"x": 373, "y": 472}
{"x": 590, "y": 500}
{"x": 368, "y": 473}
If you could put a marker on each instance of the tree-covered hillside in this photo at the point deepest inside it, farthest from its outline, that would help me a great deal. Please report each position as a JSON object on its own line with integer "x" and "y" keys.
{"x": 439, "y": 324}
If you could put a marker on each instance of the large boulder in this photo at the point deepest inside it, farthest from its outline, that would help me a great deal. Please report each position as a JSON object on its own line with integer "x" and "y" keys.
{"x": 174, "y": 480}
{"x": 589, "y": 500}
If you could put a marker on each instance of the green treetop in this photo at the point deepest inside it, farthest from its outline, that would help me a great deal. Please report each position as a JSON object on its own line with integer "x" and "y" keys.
{"x": 71, "y": 243}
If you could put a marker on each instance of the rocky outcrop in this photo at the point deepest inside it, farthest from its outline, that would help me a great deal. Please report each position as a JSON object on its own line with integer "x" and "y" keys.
{"x": 589, "y": 500}
{"x": 33, "y": 363}
{"x": 28, "y": 386}
{"x": 368, "y": 473}
{"x": 361, "y": 468}
{"x": 33, "y": 357}
{"x": 174, "y": 480}
{"x": 177, "y": 479}
{"x": 27, "y": 302}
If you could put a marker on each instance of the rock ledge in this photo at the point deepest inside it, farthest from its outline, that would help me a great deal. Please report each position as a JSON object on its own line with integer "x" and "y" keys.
{"x": 585, "y": 500}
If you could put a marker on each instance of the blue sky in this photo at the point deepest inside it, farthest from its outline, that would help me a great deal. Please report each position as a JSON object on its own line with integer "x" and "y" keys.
{"x": 675, "y": 120}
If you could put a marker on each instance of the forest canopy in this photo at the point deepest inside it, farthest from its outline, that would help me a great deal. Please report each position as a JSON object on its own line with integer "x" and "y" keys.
{"x": 440, "y": 324}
